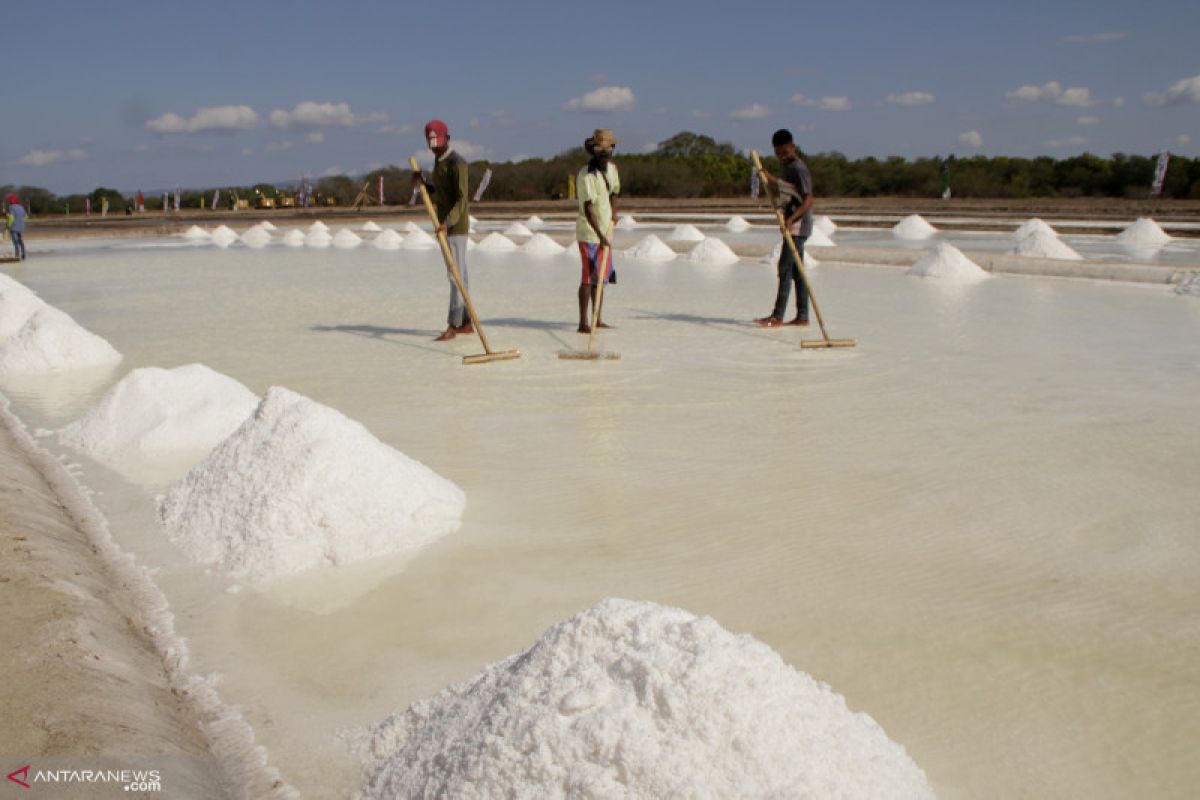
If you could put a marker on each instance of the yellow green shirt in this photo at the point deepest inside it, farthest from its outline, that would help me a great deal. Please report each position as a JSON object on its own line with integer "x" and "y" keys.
{"x": 590, "y": 187}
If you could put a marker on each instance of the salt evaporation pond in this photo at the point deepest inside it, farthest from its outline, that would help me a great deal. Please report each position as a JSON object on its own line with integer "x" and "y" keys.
{"x": 978, "y": 526}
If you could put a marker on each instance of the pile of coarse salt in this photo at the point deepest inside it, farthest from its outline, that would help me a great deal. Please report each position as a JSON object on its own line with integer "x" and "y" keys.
{"x": 541, "y": 245}
{"x": 318, "y": 237}
{"x": 298, "y": 486}
{"x": 626, "y": 222}
{"x": 156, "y": 416}
{"x": 913, "y": 226}
{"x": 318, "y": 226}
{"x": 651, "y": 248}
{"x": 294, "y": 238}
{"x": 810, "y": 261}
{"x": 517, "y": 229}
{"x": 17, "y": 304}
{"x": 267, "y": 226}
{"x": 256, "y": 237}
{"x": 387, "y": 240}
{"x": 633, "y": 699}
{"x": 737, "y": 224}
{"x": 1145, "y": 232}
{"x": 408, "y": 226}
{"x": 827, "y": 225}
{"x": 947, "y": 263}
{"x": 497, "y": 243}
{"x": 535, "y": 222}
{"x": 417, "y": 239}
{"x": 819, "y": 238}
{"x": 50, "y": 341}
{"x": 196, "y": 234}
{"x": 224, "y": 236}
{"x": 1040, "y": 244}
{"x": 712, "y": 251}
{"x": 1029, "y": 226}
{"x": 370, "y": 226}
{"x": 346, "y": 239}
{"x": 686, "y": 233}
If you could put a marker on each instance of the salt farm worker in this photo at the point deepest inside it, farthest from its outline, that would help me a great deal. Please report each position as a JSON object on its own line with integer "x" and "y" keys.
{"x": 794, "y": 186}
{"x": 16, "y": 225}
{"x": 448, "y": 190}
{"x": 597, "y": 186}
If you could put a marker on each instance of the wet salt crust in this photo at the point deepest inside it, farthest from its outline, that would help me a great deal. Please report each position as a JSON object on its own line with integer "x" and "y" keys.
{"x": 1040, "y": 244}
{"x": 1145, "y": 232}
{"x": 913, "y": 226}
{"x": 947, "y": 263}
{"x": 632, "y": 700}
{"x": 299, "y": 485}
{"x": 50, "y": 341}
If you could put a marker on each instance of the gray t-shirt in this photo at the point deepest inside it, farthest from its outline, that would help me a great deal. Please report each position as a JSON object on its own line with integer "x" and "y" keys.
{"x": 18, "y": 215}
{"x": 795, "y": 183}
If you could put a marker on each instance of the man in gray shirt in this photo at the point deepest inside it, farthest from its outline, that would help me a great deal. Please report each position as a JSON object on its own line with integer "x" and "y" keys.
{"x": 794, "y": 186}
{"x": 16, "y": 225}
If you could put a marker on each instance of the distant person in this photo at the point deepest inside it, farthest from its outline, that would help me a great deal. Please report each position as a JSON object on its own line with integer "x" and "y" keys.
{"x": 794, "y": 188}
{"x": 596, "y": 187}
{"x": 16, "y": 225}
{"x": 447, "y": 187}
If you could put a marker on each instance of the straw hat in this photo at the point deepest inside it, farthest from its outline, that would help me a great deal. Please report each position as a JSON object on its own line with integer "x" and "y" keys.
{"x": 602, "y": 138}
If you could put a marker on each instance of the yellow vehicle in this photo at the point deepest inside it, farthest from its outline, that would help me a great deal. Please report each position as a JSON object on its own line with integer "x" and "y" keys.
{"x": 287, "y": 201}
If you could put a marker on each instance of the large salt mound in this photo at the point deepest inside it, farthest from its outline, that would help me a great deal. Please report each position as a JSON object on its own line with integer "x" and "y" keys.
{"x": 810, "y": 261}
{"x": 626, "y": 222}
{"x": 827, "y": 225}
{"x": 1032, "y": 225}
{"x": 651, "y": 248}
{"x": 370, "y": 226}
{"x": 541, "y": 245}
{"x": 408, "y": 226}
{"x": 267, "y": 226}
{"x": 50, "y": 341}
{"x": 155, "y": 416}
{"x": 299, "y": 485}
{"x": 318, "y": 238}
{"x": 294, "y": 238}
{"x": 319, "y": 226}
{"x": 17, "y": 305}
{"x": 535, "y": 222}
{"x": 712, "y": 251}
{"x": 1145, "y": 232}
{"x": 1040, "y": 244}
{"x": 946, "y": 262}
{"x": 737, "y": 224}
{"x": 224, "y": 236}
{"x": 497, "y": 243}
{"x": 686, "y": 233}
{"x": 819, "y": 238}
{"x": 517, "y": 229}
{"x": 637, "y": 700}
{"x": 418, "y": 239}
{"x": 256, "y": 237}
{"x": 346, "y": 239}
{"x": 913, "y": 226}
{"x": 196, "y": 233}
{"x": 387, "y": 240}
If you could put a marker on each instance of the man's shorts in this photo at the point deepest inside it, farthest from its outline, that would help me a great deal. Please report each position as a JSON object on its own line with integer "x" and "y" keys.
{"x": 588, "y": 253}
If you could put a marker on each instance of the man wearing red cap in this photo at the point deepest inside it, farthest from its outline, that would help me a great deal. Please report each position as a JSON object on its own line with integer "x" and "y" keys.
{"x": 447, "y": 188}
{"x": 16, "y": 225}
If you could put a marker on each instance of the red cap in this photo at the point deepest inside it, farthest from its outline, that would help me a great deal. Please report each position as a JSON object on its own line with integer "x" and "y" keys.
{"x": 12, "y": 198}
{"x": 436, "y": 133}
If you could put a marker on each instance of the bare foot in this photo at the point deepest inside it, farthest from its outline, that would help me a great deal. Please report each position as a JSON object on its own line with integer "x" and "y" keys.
{"x": 583, "y": 328}
{"x": 446, "y": 336}
{"x": 465, "y": 330}
{"x": 799, "y": 323}
{"x": 603, "y": 324}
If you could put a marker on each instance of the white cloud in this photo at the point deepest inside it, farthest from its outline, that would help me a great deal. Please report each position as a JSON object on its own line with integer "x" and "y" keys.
{"x": 1094, "y": 38}
{"x": 468, "y": 150}
{"x": 1052, "y": 92}
{"x": 44, "y": 158}
{"x": 331, "y": 172}
{"x": 971, "y": 139}
{"x": 910, "y": 99}
{"x": 1088, "y": 120}
{"x": 210, "y": 119}
{"x": 407, "y": 127}
{"x": 310, "y": 114}
{"x": 606, "y": 98}
{"x": 1070, "y": 141}
{"x": 752, "y": 111}
{"x": 835, "y": 103}
{"x": 1182, "y": 93}
{"x": 278, "y": 147}
{"x": 316, "y": 137}
{"x": 1183, "y": 140}
{"x": 374, "y": 165}
{"x": 1079, "y": 97}
{"x": 649, "y": 147}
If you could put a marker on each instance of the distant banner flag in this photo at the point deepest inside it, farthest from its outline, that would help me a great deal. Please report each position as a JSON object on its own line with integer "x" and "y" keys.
{"x": 1160, "y": 173}
{"x": 483, "y": 184}
{"x": 216, "y": 198}
{"x": 754, "y": 183}
{"x": 141, "y": 202}
{"x": 381, "y": 189}
{"x": 104, "y": 206}
{"x": 177, "y": 193}
{"x": 87, "y": 206}
{"x": 166, "y": 205}
{"x": 412, "y": 201}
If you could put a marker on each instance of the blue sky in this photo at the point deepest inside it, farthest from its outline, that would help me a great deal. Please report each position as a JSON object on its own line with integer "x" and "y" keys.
{"x": 149, "y": 95}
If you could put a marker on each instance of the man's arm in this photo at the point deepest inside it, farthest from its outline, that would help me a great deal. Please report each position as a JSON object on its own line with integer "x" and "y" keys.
{"x": 589, "y": 212}
{"x": 460, "y": 205}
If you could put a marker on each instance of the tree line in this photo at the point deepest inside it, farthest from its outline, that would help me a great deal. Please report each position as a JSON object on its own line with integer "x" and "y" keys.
{"x": 694, "y": 165}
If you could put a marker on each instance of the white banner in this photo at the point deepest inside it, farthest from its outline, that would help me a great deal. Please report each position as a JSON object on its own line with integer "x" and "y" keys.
{"x": 483, "y": 184}
{"x": 754, "y": 183}
{"x": 1160, "y": 173}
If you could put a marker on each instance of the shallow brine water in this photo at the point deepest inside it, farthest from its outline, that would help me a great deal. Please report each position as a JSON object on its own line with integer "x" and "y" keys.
{"x": 979, "y": 525}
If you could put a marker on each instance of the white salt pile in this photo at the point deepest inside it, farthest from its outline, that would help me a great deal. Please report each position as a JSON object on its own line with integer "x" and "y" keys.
{"x": 346, "y": 239}
{"x": 157, "y": 416}
{"x": 196, "y": 233}
{"x": 224, "y": 236}
{"x": 737, "y": 224}
{"x": 299, "y": 485}
{"x": 626, "y": 222}
{"x": 810, "y": 261}
{"x": 50, "y": 341}
{"x": 417, "y": 239}
{"x": 651, "y": 248}
{"x": 497, "y": 243}
{"x": 267, "y": 226}
{"x": 1040, "y": 244}
{"x": 712, "y": 251}
{"x": 819, "y": 238}
{"x": 518, "y": 229}
{"x": 542, "y": 245}
{"x": 1145, "y": 232}
{"x": 913, "y": 226}
{"x": 686, "y": 233}
{"x": 256, "y": 237}
{"x": 294, "y": 238}
{"x": 1190, "y": 285}
{"x": 827, "y": 225}
{"x": 319, "y": 226}
{"x": 1032, "y": 225}
{"x": 318, "y": 238}
{"x": 637, "y": 700}
{"x": 947, "y": 263}
{"x": 370, "y": 227}
{"x": 408, "y": 226}
{"x": 387, "y": 240}
{"x": 535, "y": 222}
{"x": 472, "y": 220}
{"x": 17, "y": 305}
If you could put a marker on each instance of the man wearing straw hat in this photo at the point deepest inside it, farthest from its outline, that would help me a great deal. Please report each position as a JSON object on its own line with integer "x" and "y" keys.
{"x": 597, "y": 187}
{"x": 448, "y": 189}
{"x": 794, "y": 185}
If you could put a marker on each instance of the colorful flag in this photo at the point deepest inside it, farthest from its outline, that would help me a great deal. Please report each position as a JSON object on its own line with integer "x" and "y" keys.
{"x": 483, "y": 184}
{"x": 381, "y": 188}
{"x": 754, "y": 183}
{"x": 87, "y": 206}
